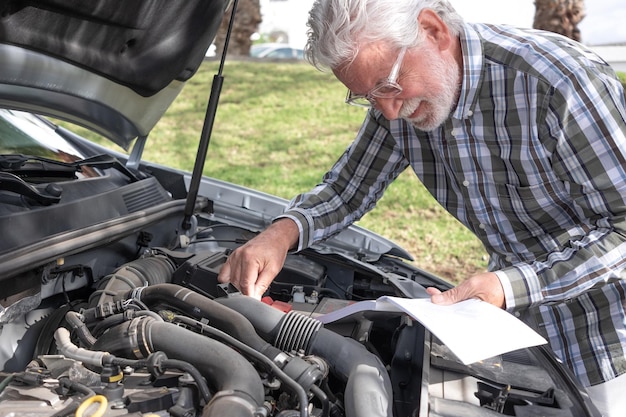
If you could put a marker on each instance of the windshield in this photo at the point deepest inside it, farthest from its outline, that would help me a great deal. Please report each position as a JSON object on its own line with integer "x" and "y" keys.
{"x": 23, "y": 133}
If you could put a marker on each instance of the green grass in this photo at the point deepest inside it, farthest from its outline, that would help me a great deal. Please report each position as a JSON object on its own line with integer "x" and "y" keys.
{"x": 622, "y": 78}
{"x": 278, "y": 128}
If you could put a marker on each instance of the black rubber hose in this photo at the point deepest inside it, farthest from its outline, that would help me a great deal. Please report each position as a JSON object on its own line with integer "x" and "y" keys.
{"x": 165, "y": 364}
{"x": 321, "y": 395}
{"x": 75, "y": 320}
{"x": 349, "y": 360}
{"x": 198, "y": 306}
{"x": 107, "y": 322}
{"x": 225, "y": 369}
{"x": 240, "y": 389}
{"x": 228, "y": 321}
{"x": 139, "y": 273}
{"x": 73, "y": 406}
{"x": 255, "y": 356}
{"x": 191, "y": 370}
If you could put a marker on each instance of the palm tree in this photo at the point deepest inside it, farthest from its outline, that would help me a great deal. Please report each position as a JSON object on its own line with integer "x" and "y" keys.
{"x": 246, "y": 23}
{"x": 560, "y": 16}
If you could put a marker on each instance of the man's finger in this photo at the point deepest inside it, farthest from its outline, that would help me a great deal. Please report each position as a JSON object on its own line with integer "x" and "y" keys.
{"x": 263, "y": 282}
{"x": 224, "y": 274}
{"x": 445, "y": 298}
{"x": 432, "y": 290}
{"x": 247, "y": 279}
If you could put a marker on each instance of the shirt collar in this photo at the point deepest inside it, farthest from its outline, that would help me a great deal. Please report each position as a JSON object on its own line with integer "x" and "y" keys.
{"x": 472, "y": 49}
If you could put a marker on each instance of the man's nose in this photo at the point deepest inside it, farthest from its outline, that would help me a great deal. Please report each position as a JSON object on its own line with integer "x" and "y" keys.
{"x": 390, "y": 107}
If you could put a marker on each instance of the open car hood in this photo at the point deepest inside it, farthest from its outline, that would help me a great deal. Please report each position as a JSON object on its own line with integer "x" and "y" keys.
{"x": 112, "y": 66}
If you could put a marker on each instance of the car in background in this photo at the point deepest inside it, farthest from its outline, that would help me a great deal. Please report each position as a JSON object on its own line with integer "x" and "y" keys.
{"x": 109, "y": 299}
{"x": 275, "y": 51}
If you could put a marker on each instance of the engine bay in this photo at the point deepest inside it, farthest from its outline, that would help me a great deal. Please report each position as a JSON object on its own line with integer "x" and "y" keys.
{"x": 140, "y": 326}
{"x": 109, "y": 306}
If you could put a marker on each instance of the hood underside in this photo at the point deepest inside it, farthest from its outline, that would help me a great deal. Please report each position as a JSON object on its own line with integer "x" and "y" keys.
{"x": 113, "y": 66}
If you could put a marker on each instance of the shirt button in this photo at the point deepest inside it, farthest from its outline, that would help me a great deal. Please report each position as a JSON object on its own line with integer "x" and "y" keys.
{"x": 509, "y": 258}
{"x": 469, "y": 113}
{"x": 482, "y": 226}
{"x": 466, "y": 183}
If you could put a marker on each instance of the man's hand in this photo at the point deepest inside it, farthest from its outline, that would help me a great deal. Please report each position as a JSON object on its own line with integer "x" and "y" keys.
{"x": 252, "y": 267}
{"x": 485, "y": 287}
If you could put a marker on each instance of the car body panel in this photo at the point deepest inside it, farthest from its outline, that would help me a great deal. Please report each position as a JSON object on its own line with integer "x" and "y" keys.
{"x": 275, "y": 51}
{"x": 109, "y": 65}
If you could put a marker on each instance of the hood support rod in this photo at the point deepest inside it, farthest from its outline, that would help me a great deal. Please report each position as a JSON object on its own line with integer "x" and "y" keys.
{"x": 207, "y": 128}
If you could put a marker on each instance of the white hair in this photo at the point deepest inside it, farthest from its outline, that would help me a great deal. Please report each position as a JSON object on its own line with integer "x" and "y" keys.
{"x": 338, "y": 27}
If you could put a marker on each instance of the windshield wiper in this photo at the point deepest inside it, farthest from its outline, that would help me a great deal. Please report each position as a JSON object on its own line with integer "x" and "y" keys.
{"x": 23, "y": 166}
{"x": 13, "y": 183}
{"x": 104, "y": 161}
{"x": 32, "y": 166}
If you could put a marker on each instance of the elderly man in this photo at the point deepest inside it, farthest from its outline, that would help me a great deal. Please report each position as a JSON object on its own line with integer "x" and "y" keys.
{"x": 519, "y": 134}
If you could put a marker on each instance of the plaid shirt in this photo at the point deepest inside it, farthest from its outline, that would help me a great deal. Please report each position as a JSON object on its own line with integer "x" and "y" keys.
{"x": 533, "y": 161}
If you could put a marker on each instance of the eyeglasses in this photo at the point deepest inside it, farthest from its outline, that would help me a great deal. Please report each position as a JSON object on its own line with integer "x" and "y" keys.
{"x": 387, "y": 88}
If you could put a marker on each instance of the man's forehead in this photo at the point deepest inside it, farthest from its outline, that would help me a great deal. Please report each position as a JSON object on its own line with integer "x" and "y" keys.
{"x": 368, "y": 58}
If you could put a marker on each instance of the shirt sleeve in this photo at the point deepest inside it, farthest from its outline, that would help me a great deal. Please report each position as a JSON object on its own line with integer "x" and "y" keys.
{"x": 353, "y": 185}
{"x": 585, "y": 122}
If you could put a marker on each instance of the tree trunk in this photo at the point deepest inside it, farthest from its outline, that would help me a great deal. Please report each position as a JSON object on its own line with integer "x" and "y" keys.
{"x": 246, "y": 23}
{"x": 560, "y": 16}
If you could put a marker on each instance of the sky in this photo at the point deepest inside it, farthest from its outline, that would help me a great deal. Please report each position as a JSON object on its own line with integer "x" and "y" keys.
{"x": 604, "y": 23}
{"x": 605, "y": 20}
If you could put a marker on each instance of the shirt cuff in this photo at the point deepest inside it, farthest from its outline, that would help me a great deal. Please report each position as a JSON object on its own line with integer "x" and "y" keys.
{"x": 521, "y": 286}
{"x": 302, "y": 221}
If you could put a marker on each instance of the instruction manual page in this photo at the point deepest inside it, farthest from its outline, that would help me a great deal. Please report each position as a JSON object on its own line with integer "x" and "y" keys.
{"x": 473, "y": 330}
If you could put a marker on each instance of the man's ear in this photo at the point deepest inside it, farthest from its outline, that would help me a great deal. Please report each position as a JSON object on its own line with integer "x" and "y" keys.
{"x": 434, "y": 29}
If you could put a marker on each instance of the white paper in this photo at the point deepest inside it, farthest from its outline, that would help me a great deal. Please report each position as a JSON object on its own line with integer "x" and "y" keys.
{"x": 473, "y": 330}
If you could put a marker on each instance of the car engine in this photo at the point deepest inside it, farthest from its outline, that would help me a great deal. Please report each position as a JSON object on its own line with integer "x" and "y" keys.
{"x": 159, "y": 336}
